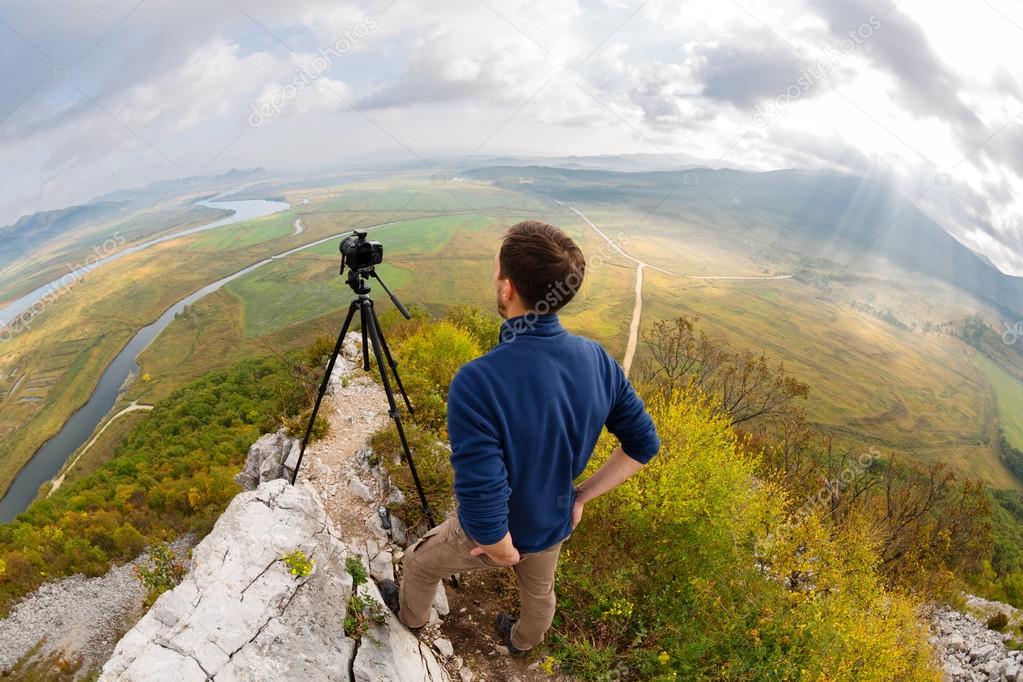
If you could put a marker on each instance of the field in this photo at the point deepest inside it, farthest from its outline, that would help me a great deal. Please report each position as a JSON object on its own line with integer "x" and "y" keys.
{"x": 919, "y": 394}
{"x": 1009, "y": 395}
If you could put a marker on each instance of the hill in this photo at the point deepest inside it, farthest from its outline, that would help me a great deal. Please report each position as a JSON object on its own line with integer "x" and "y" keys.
{"x": 812, "y": 214}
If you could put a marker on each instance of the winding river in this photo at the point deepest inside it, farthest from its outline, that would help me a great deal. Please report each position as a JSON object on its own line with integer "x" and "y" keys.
{"x": 48, "y": 459}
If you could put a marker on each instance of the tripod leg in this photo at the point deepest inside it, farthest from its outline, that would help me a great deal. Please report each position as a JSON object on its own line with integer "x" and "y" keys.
{"x": 323, "y": 387}
{"x": 365, "y": 339}
{"x": 390, "y": 359}
{"x": 406, "y": 451}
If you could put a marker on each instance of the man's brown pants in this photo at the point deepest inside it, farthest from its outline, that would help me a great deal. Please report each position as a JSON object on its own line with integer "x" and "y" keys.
{"x": 444, "y": 551}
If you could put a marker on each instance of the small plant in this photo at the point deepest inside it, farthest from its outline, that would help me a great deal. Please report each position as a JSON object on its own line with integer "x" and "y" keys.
{"x": 358, "y": 572}
{"x": 299, "y": 565}
{"x": 162, "y": 572}
{"x": 998, "y": 621}
{"x": 363, "y": 611}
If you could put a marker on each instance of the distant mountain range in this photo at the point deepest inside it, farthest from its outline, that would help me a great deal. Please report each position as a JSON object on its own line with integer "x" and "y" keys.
{"x": 609, "y": 162}
{"x": 815, "y": 213}
{"x": 38, "y": 227}
{"x": 32, "y": 230}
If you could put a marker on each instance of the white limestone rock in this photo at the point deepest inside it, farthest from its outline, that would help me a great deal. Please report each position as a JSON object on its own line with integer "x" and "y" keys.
{"x": 440, "y": 601}
{"x": 271, "y": 457}
{"x": 239, "y": 614}
{"x": 390, "y": 652}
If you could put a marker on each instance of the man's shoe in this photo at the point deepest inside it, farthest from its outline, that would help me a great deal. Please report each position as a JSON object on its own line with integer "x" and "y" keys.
{"x": 390, "y": 591}
{"x": 505, "y": 623}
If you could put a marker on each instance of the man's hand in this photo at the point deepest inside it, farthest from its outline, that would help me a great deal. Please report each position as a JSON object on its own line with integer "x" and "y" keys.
{"x": 502, "y": 553}
{"x": 509, "y": 559}
{"x": 577, "y": 512}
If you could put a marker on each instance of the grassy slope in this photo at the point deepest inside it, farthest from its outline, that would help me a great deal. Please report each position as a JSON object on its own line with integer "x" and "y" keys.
{"x": 1009, "y": 392}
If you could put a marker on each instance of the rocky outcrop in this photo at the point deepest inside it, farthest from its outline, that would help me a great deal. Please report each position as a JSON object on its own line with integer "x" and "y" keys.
{"x": 389, "y": 652}
{"x": 271, "y": 457}
{"x": 275, "y": 455}
{"x": 969, "y": 651}
{"x": 240, "y": 614}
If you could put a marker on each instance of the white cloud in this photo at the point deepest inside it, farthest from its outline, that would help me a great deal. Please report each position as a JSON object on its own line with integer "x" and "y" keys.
{"x": 929, "y": 91}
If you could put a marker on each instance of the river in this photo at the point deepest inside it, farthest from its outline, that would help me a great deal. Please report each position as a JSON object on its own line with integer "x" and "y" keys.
{"x": 48, "y": 460}
{"x": 243, "y": 210}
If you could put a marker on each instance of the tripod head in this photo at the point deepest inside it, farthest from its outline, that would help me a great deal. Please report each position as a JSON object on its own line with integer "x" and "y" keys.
{"x": 361, "y": 256}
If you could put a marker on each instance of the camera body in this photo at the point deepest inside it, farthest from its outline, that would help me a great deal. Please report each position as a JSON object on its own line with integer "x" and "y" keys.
{"x": 359, "y": 253}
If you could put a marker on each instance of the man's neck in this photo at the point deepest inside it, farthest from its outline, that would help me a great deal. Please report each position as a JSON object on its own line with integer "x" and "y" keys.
{"x": 513, "y": 310}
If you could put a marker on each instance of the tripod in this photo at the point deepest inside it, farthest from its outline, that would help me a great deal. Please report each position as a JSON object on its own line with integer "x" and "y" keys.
{"x": 372, "y": 334}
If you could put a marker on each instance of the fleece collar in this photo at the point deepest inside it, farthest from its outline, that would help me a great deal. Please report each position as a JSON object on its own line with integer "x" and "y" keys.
{"x": 531, "y": 324}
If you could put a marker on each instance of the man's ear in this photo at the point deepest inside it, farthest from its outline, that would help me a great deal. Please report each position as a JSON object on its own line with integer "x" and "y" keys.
{"x": 510, "y": 291}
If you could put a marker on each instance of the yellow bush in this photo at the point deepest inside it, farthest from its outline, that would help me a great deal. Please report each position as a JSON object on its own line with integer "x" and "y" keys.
{"x": 717, "y": 583}
{"x": 428, "y": 359}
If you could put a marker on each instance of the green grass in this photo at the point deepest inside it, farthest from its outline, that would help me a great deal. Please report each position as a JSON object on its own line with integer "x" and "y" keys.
{"x": 424, "y": 235}
{"x": 871, "y": 383}
{"x": 289, "y": 292}
{"x": 247, "y": 233}
{"x": 1009, "y": 392}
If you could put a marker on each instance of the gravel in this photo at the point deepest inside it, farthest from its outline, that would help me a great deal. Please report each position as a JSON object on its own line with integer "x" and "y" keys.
{"x": 969, "y": 651}
{"x": 76, "y": 617}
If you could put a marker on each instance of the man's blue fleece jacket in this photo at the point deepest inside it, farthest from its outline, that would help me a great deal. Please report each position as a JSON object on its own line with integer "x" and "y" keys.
{"x": 523, "y": 421}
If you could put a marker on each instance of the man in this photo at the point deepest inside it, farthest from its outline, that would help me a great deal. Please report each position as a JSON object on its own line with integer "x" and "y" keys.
{"x": 523, "y": 421}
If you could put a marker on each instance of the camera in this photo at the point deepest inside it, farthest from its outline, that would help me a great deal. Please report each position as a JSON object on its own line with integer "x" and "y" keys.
{"x": 359, "y": 253}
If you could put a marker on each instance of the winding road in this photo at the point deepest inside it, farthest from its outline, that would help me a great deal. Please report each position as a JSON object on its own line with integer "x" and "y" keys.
{"x": 134, "y": 407}
{"x": 637, "y": 311}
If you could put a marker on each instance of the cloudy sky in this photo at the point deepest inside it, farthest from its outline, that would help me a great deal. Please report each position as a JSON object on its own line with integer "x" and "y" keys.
{"x": 105, "y": 94}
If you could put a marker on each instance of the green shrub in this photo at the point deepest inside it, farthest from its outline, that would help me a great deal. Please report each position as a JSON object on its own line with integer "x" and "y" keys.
{"x": 172, "y": 474}
{"x": 363, "y": 611}
{"x": 162, "y": 572}
{"x": 484, "y": 328}
{"x": 433, "y": 464}
{"x": 428, "y": 359}
{"x": 354, "y": 568}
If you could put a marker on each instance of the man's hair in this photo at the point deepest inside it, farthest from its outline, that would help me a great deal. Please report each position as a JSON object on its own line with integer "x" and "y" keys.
{"x": 543, "y": 263}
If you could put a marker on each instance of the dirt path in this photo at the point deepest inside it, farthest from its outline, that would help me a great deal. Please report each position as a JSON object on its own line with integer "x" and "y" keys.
{"x": 637, "y": 316}
{"x": 612, "y": 243}
{"x": 134, "y": 407}
{"x": 637, "y": 311}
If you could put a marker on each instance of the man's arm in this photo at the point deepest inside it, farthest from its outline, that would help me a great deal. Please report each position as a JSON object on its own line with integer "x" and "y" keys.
{"x": 481, "y": 479}
{"x": 632, "y": 425}
{"x": 616, "y": 470}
